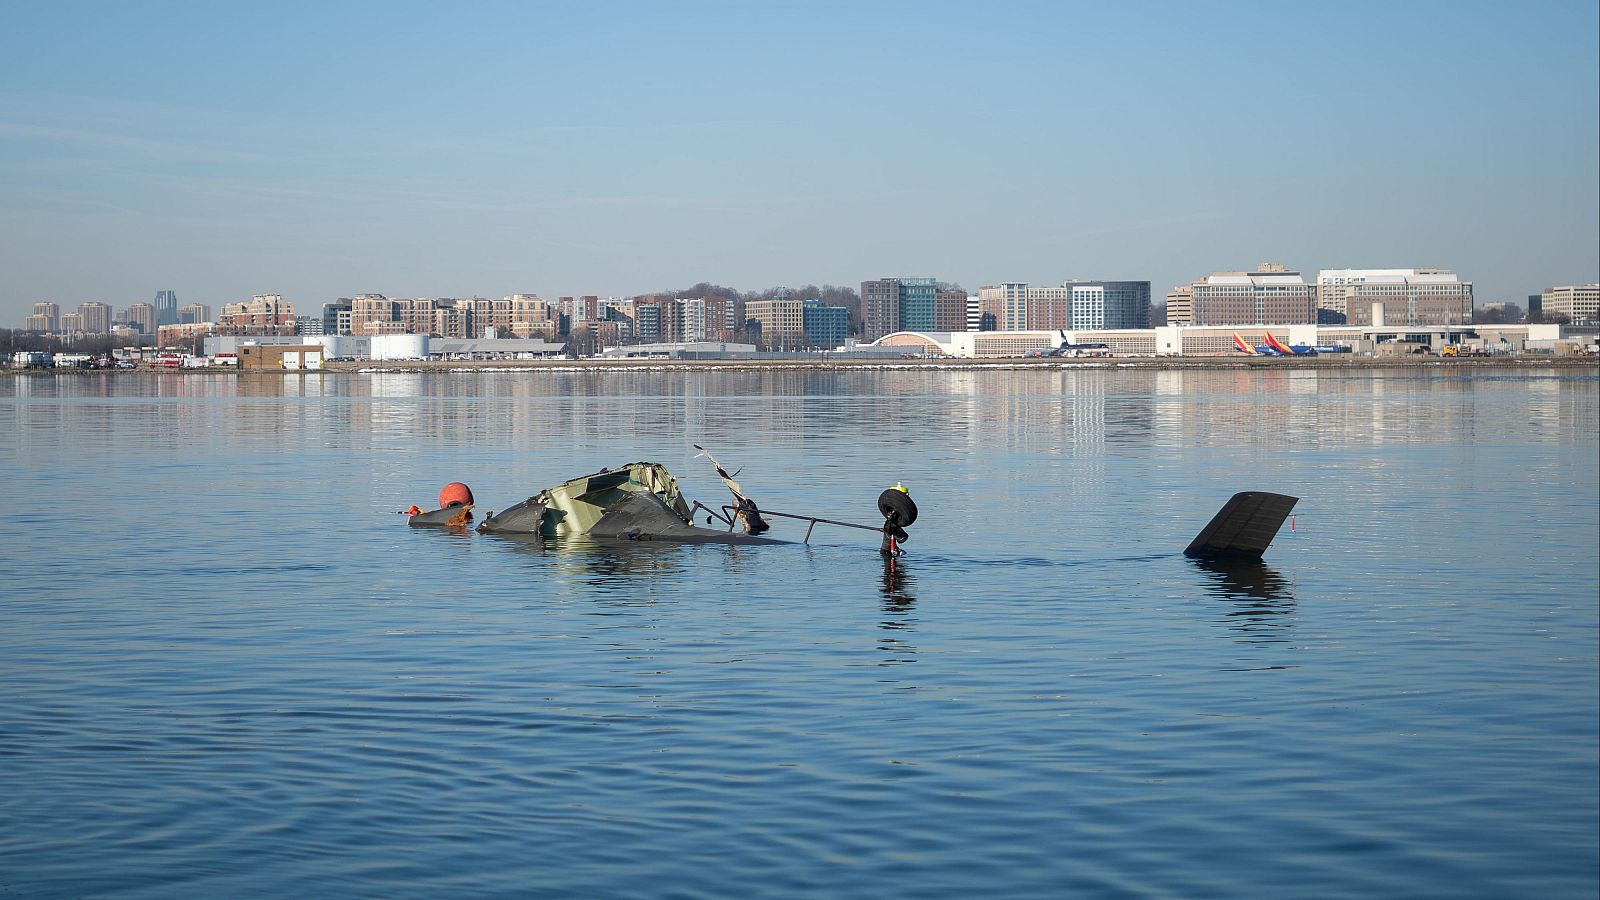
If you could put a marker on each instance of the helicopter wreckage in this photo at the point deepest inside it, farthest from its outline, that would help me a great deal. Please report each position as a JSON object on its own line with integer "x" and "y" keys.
{"x": 642, "y": 501}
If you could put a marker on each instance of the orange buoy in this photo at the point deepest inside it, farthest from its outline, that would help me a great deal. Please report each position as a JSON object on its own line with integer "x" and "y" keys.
{"x": 455, "y": 494}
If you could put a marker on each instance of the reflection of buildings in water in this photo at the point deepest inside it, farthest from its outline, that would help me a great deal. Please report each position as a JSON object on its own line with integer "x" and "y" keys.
{"x": 1563, "y": 405}
{"x": 899, "y": 605}
{"x": 1262, "y": 605}
{"x": 395, "y": 384}
{"x": 1252, "y": 407}
{"x": 1073, "y": 412}
{"x": 1171, "y": 413}
{"x": 959, "y": 383}
{"x": 260, "y": 385}
{"x": 1302, "y": 383}
{"x": 287, "y": 418}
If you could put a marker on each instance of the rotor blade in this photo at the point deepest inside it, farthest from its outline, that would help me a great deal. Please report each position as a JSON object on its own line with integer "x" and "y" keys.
{"x": 721, "y": 472}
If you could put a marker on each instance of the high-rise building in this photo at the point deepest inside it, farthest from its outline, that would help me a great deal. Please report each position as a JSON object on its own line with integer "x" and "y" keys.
{"x": 992, "y": 301}
{"x": 975, "y": 317}
{"x": 194, "y": 314}
{"x": 526, "y": 315}
{"x": 262, "y": 314}
{"x": 1407, "y": 296}
{"x": 1110, "y": 304}
{"x": 1017, "y": 306}
{"x": 899, "y": 304}
{"x": 579, "y": 310}
{"x": 1271, "y": 295}
{"x": 617, "y": 327}
{"x": 694, "y": 319}
{"x": 166, "y": 304}
{"x": 368, "y": 311}
{"x": 828, "y": 326}
{"x": 71, "y": 323}
{"x": 330, "y": 316}
{"x": 1008, "y": 303}
{"x": 46, "y": 317}
{"x": 918, "y": 302}
{"x": 1578, "y": 302}
{"x": 1180, "y": 305}
{"x": 96, "y": 317}
{"x": 782, "y": 321}
{"x": 950, "y": 310}
{"x": 708, "y": 319}
{"x": 657, "y": 318}
{"x": 371, "y": 314}
{"x": 880, "y": 307}
{"x": 143, "y": 317}
{"x": 1535, "y": 304}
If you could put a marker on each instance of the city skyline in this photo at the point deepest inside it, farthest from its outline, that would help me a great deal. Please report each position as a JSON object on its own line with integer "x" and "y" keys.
{"x": 625, "y": 150}
{"x": 1420, "y": 294}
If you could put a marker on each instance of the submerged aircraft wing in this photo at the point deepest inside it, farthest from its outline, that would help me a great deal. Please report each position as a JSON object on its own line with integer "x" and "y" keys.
{"x": 641, "y": 516}
{"x": 1243, "y": 528}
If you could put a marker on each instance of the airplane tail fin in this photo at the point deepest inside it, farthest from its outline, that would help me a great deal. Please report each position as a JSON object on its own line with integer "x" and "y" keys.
{"x": 1243, "y": 528}
{"x": 1240, "y": 345}
{"x": 1277, "y": 345}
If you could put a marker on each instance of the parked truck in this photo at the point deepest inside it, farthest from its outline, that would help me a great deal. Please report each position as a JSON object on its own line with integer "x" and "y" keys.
{"x": 32, "y": 359}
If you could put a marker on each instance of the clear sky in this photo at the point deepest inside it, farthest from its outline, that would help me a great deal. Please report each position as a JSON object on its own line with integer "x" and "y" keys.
{"x": 326, "y": 149}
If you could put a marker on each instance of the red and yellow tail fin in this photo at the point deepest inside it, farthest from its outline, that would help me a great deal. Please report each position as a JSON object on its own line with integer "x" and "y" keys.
{"x": 1277, "y": 345}
{"x": 1241, "y": 346}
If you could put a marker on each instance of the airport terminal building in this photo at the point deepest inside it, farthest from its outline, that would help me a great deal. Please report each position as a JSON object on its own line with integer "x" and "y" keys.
{"x": 1218, "y": 340}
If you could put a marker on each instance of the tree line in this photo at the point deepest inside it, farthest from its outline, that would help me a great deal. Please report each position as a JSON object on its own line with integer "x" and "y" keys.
{"x": 15, "y": 340}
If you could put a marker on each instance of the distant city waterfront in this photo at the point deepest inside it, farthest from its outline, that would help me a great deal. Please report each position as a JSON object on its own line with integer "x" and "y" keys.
{"x": 830, "y": 317}
{"x": 843, "y": 362}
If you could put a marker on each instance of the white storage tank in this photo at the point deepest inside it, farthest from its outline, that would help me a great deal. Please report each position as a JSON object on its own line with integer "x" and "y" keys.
{"x": 399, "y": 346}
{"x": 330, "y": 344}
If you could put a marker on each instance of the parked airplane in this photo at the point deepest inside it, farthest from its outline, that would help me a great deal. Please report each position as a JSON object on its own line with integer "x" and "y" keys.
{"x": 1286, "y": 350}
{"x": 1272, "y": 347}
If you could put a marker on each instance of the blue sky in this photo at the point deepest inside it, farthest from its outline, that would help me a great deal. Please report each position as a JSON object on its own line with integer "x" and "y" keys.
{"x": 328, "y": 149}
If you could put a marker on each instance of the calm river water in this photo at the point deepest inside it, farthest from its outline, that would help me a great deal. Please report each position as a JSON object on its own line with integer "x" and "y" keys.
{"x": 228, "y": 669}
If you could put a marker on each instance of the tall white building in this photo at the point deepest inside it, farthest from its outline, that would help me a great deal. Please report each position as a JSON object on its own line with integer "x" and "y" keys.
{"x": 1406, "y": 296}
{"x": 1578, "y": 302}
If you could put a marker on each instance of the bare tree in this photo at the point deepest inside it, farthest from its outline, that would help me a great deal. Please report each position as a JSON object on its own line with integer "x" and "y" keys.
{"x": 704, "y": 289}
{"x": 1501, "y": 314}
{"x": 840, "y": 295}
{"x": 1540, "y": 317}
{"x": 807, "y": 292}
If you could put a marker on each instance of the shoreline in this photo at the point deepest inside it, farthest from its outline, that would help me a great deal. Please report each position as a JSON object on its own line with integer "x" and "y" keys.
{"x": 743, "y": 365}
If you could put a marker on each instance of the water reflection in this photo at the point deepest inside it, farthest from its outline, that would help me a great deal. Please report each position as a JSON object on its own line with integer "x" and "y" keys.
{"x": 583, "y": 706}
{"x": 897, "y": 585}
{"x": 899, "y": 607}
{"x": 1262, "y": 600}
{"x": 608, "y": 567}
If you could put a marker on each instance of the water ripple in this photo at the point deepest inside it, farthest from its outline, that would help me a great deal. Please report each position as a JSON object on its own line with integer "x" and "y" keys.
{"x": 274, "y": 688}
